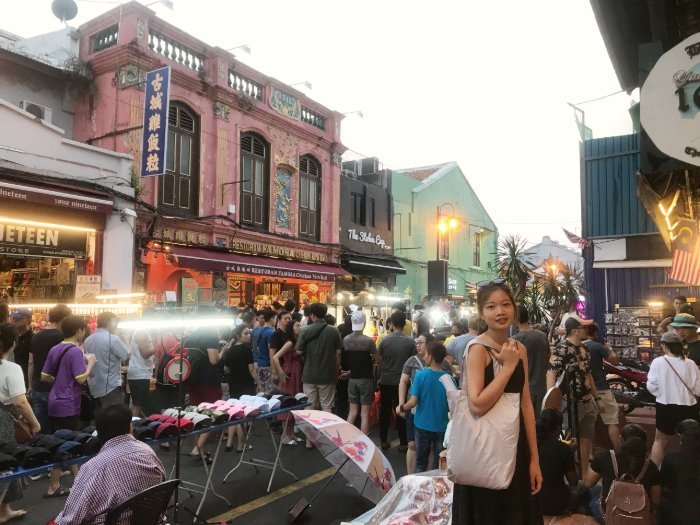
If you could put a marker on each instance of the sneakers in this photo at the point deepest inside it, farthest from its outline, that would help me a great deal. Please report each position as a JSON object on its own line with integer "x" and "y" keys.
{"x": 290, "y": 441}
{"x": 37, "y": 477}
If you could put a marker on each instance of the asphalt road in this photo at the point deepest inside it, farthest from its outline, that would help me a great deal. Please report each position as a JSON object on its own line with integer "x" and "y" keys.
{"x": 246, "y": 487}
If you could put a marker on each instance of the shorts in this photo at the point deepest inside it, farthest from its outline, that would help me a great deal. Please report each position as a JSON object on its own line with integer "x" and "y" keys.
{"x": 67, "y": 423}
{"x": 139, "y": 391}
{"x": 410, "y": 426}
{"x": 668, "y": 416}
{"x": 200, "y": 393}
{"x": 361, "y": 391}
{"x": 320, "y": 396}
{"x": 607, "y": 405}
{"x": 587, "y": 414}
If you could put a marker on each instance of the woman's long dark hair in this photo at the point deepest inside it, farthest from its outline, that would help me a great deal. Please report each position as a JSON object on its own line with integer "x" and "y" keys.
{"x": 290, "y": 331}
{"x": 675, "y": 348}
{"x": 689, "y": 460}
{"x": 548, "y": 424}
{"x": 634, "y": 447}
{"x": 8, "y": 337}
{"x": 237, "y": 332}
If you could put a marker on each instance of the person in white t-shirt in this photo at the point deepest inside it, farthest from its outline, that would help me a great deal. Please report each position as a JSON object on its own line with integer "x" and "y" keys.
{"x": 675, "y": 381}
{"x": 13, "y": 393}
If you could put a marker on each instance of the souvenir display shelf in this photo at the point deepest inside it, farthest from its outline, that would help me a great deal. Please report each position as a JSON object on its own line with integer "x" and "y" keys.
{"x": 631, "y": 331}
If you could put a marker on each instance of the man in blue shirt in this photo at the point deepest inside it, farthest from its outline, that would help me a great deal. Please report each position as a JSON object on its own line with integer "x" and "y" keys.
{"x": 262, "y": 344}
{"x": 429, "y": 396}
{"x": 105, "y": 381}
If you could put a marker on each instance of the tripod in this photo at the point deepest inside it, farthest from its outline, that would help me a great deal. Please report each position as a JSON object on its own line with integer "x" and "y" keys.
{"x": 566, "y": 384}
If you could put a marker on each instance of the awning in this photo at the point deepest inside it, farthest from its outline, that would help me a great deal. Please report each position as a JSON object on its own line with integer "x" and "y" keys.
{"x": 206, "y": 260}
{"x": 375, "y": 264}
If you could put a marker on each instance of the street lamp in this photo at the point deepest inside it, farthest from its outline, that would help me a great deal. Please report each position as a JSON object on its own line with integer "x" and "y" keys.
{"x": 446, "y": 223}
{"x": 243, "y": 47}
{"x": 305, "y": 83}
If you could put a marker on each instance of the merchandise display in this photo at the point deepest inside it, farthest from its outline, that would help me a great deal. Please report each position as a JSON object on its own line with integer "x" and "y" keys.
{"x": 631, "y": 331}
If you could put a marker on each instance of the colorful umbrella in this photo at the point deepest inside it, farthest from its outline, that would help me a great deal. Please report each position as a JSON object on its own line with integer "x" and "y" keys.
{"x": 346, "y": 447}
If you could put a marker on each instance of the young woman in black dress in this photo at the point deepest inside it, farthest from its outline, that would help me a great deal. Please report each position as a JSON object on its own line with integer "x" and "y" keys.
{"x": 514, "y": 505}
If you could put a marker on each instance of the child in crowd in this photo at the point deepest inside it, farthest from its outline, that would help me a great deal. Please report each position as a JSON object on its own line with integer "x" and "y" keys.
{"x": 429, "y": 396}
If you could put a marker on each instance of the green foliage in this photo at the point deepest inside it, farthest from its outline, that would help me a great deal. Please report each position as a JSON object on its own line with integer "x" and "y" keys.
{"x": 533, "y": 299}
{"x": 512, "y": 263}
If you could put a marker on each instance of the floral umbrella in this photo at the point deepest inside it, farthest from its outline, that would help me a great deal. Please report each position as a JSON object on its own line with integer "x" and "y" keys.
{"x": 346, "y": 447}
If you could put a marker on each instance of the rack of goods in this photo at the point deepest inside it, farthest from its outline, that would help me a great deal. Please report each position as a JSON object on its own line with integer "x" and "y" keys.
{"x": 631, "y": 331}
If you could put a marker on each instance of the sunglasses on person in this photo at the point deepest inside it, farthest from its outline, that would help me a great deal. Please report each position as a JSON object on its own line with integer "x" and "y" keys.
{"x": 497, "y": 282}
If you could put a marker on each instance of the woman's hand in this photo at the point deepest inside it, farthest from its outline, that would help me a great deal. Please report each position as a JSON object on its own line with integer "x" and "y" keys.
{"x": 535, "y": 477}
{"x": 508, "y": 355}
{"x": 34, "y": 426}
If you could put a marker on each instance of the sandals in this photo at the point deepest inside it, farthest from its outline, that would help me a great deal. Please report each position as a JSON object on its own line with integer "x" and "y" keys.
{"x": 249, "y": 447}
{"x": 60, "y": 492}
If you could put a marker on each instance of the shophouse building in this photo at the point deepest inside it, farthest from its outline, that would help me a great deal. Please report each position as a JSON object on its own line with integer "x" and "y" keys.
{"x": 366, "y": 234}
{"x": 67, "y": 207}
{"x": 247, "y": 210}
{"x": 439, "y": 217}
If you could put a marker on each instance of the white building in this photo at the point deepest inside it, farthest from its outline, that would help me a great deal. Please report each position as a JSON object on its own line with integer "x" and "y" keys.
{"x": 549, "y": 249}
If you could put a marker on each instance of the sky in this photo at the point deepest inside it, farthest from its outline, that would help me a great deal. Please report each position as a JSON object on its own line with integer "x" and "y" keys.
{"x": 485, "y": 84}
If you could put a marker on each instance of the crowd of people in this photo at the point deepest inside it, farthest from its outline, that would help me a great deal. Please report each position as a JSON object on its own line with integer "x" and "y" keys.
{"x": 61, "y": 377}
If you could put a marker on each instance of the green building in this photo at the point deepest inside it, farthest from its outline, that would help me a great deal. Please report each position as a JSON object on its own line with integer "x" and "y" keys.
{"x": 438, "y": 214}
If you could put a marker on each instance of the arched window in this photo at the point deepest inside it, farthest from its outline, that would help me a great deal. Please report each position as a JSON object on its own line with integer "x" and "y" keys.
{"x": 255, "y": 161}
{"x": 179, "y": 188}
{"x": 309, "y": 197}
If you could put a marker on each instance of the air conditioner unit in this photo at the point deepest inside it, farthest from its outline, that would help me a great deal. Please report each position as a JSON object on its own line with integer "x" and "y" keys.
{"x": 369, "y": 166}
{"x": 42, "y": 112}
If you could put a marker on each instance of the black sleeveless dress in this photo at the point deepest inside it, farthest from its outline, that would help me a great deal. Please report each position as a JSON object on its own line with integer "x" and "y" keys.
{"x": 512, "y": 506}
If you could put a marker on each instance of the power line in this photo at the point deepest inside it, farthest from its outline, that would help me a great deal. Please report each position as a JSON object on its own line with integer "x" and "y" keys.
{"x": 598, "y": 98}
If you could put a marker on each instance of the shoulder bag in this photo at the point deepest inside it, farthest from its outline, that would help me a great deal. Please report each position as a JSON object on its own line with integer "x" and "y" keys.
{"x": 483, "y": 448}
{"x": 23, "y": 432}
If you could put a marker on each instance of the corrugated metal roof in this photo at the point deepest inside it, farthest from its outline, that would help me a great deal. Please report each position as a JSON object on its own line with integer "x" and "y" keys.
{"x": 609, "y": 202}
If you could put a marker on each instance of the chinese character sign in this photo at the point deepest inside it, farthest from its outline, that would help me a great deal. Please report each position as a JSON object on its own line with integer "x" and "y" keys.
{"x": 155, "y": 122}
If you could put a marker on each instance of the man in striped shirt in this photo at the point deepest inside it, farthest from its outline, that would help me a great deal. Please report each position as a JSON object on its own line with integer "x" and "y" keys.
{"x": 123, "y": 467}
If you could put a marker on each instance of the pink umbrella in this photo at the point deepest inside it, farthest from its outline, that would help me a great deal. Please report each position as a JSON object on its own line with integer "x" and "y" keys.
{"x": 346, "y": 447}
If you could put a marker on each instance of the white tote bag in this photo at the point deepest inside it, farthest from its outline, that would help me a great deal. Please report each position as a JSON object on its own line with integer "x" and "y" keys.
{"x": 482, "y": 449}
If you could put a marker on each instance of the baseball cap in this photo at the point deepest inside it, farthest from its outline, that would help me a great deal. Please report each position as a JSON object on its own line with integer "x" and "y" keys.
{"x": 21, "y": 312}
{"x": 575, "y": 321}
{"x": 358, "y": 320}
{"x": 670, "y": 337}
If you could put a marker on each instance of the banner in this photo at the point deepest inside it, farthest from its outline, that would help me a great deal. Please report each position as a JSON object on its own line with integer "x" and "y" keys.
{"x": 155, "y": 122}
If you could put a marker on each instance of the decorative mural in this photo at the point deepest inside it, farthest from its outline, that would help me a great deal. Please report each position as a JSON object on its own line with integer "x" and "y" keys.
{"x": 283, "y": 198}
{"x": 285, "y": 147}
{"x": 221, "y": 110}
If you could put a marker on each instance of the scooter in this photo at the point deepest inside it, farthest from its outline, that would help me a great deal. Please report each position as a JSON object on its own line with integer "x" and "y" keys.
{"x": 628, "y": 383}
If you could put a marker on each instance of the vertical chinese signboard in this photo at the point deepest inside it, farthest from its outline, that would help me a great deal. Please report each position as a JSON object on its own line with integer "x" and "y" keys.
{"x": 155, "y": 122}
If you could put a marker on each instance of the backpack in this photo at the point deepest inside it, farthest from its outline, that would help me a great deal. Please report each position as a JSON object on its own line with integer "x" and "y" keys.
{"x": 627, "y": 501}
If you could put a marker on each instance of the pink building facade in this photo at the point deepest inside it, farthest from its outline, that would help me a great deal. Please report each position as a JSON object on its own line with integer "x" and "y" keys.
{"x": 250, "y": 197}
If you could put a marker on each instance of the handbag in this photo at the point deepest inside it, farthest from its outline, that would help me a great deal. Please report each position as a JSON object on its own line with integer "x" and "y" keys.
{"x": 23, "y": 432}
{"x": 482, "y": 449}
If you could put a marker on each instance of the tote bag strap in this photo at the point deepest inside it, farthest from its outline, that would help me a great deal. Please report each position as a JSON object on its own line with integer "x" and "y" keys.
{"x": 475, "y": 341}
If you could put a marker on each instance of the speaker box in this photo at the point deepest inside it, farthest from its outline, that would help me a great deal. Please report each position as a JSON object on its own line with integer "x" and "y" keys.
{"x": 437, "y": 277}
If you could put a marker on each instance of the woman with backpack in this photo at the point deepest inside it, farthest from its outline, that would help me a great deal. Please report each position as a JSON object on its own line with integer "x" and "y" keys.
{"x": 675, "y": 381}
{"x": 680, "y": 479}
{"x": 630, "y": 463}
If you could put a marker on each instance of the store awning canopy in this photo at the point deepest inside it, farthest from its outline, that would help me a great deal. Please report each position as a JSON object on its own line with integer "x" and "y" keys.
{"x": 375, "y": 264}
{"x": 207, "y": 260}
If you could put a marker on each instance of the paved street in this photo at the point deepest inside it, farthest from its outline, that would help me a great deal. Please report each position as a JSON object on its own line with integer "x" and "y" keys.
{"x": 245, "y": 488}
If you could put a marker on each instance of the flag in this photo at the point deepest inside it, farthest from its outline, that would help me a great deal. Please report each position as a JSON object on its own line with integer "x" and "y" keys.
{"x": 575, "y": 239}
{"x": 685, "y": 267}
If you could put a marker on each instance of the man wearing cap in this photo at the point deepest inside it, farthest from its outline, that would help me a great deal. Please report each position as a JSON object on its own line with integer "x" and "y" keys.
{"x": 686, "y": 328}
{"x": 358, "y": 355}
{"x": 22, "y": 318}
{"x": 571, "y": 356}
